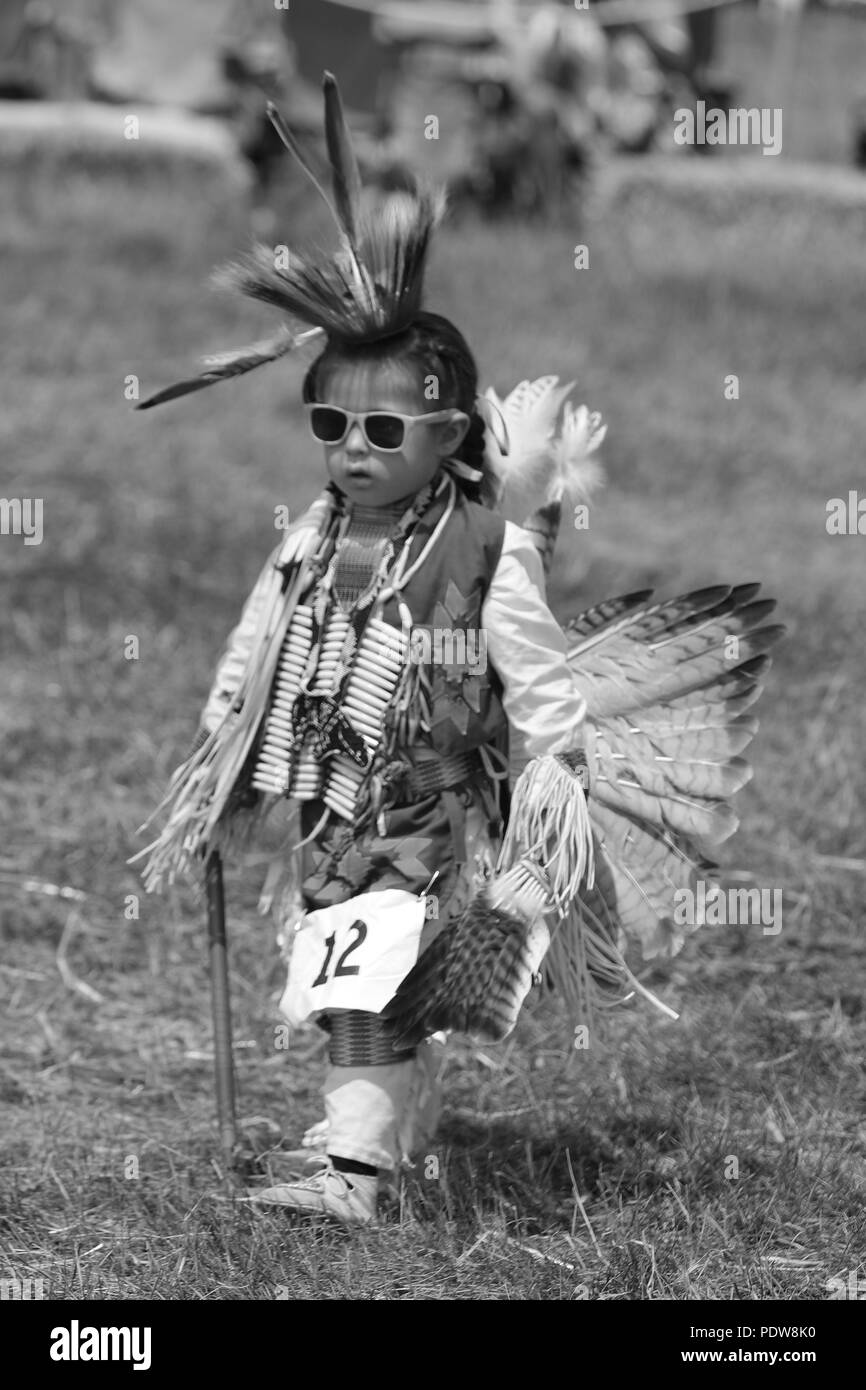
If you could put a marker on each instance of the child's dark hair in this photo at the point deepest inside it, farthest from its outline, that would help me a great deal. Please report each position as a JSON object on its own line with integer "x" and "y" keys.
{"x": 438, "y": 349}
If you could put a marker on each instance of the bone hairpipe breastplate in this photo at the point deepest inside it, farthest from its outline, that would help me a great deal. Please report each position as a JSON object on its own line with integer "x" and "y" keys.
{"x": 289, "y": 766}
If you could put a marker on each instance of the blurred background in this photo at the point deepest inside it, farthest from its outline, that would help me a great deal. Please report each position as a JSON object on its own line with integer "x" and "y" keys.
{"x": 715, "y": 317}
{"x": 565, "y": 83}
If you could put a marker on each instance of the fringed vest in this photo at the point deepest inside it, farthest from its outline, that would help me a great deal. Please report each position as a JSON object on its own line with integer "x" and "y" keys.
{"x": 444, "y": 598}
{"x": 416, "y": 678}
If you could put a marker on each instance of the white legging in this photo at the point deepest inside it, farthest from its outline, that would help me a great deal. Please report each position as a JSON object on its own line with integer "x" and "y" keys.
{"x": 382, "y": 1115}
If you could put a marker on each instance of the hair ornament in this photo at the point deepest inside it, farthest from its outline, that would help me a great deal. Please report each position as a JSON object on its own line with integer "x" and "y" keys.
{"x": 371, "y": 288}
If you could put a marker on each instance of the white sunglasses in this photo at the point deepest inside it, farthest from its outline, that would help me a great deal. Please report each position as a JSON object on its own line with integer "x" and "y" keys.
{"x": 384, "y": 430}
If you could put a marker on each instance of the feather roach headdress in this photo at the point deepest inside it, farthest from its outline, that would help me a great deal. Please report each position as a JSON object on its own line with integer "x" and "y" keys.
{"x": 370, "y": 288}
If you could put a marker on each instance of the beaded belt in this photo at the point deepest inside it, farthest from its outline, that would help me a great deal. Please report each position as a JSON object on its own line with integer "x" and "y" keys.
{"x": 436, "y": 775}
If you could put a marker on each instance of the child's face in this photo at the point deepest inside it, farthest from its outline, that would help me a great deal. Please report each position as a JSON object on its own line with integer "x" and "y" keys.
{"x": 372, "y": 477}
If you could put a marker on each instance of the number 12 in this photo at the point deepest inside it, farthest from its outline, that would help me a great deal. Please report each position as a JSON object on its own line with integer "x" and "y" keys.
{"x": 341, "y": 968}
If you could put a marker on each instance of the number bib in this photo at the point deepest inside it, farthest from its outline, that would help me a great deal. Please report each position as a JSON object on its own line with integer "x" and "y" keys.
{"x": 352, "y": 955}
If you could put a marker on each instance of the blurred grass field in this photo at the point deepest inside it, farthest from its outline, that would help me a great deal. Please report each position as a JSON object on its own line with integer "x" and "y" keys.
{"x": 155, "y": 526}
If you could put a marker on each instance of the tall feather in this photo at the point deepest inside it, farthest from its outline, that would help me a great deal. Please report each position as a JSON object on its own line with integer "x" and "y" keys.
{"x": 226, "y": 365}
{"x": 371, "y": 288}
{"x": 344, "y": 166}
{"x": 280, "y": 126}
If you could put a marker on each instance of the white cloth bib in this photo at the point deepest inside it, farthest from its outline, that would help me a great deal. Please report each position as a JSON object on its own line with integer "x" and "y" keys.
{"x": 352, "y": 955}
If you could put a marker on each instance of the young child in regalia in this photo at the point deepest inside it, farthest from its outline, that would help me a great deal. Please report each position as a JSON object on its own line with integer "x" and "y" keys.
{"x": 399, "y": 686}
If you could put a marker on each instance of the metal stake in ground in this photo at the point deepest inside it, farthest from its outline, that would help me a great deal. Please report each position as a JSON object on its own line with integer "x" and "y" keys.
{"x": 221, "y": 1009}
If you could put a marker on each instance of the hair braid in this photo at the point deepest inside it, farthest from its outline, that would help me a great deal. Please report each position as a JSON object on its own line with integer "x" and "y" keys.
{"x": 472, "y": 451}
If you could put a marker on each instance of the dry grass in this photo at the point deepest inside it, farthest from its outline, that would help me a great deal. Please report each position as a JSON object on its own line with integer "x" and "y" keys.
{"x": 561, "y": 1174}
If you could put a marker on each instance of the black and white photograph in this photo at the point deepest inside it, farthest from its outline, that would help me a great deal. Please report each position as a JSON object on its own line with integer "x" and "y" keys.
{"x": 433, "y": 554}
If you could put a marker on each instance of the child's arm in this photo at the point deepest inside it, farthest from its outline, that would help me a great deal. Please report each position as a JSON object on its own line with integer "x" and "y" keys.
{"x": 527, "y": 647}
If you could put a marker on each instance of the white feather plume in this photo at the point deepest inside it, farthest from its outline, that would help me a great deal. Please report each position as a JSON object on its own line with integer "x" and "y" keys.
{"x": 530, "y": 458}
{"x": 527, "y": 420}
{"x": 576, "y": 473}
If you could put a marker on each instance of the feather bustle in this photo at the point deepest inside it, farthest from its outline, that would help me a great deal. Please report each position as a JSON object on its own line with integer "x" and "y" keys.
{"x": 667, "y": 692}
